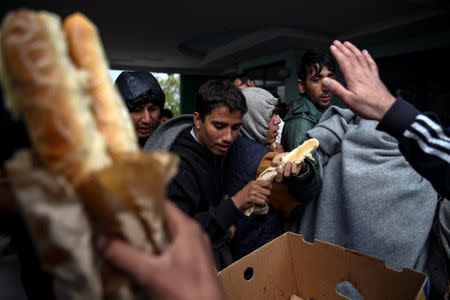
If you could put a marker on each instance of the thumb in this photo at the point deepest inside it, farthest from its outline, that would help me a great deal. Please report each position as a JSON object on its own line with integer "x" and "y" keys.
{"x": 336, "y": 88}
{"x": 138, "y": 265}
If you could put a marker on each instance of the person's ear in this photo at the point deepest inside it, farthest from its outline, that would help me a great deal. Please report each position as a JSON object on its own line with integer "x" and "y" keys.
{"x": 301, "y": 86}
{"x": 197, "y": 120}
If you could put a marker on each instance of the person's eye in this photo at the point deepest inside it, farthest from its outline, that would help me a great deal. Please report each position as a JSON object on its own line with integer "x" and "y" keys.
{"x": 316, "y": 79}
{"x": 153, "y": 108}
{"x": 236, "y": 127}
{"x": 137, "y": 109}
{"x": 219, "y": 126}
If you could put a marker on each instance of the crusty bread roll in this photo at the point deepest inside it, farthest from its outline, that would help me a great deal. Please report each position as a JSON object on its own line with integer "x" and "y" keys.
{"x": 123, "y": 197}
{"x": 296, "y": 156}
{"x": 42, "y": 84}
{"x": 113, "y": 119}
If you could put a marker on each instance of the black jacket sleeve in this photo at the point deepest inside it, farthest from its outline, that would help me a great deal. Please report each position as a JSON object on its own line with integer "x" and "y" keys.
{"x": 423, "y": 141}
{"x": 215, "y": 220}
{"x": 306, "y": 186}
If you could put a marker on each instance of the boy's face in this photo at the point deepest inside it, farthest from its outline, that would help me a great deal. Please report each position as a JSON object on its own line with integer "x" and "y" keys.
{"x": 219, "y": 130}
{"x": 272, "y": 133}
{"x": 314, "y": 89}
{"x": 145, "y": 119}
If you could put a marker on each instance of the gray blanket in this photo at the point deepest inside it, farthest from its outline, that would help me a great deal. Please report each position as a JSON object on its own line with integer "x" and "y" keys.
{"x": 371, "y": 201}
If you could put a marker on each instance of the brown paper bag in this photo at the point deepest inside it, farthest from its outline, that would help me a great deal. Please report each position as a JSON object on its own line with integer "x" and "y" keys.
{"x": 123, "y": 200}
{"x": 59, "y": 228}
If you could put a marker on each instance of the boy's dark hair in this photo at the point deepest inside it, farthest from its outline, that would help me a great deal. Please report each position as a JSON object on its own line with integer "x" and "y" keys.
{"x": 314, "y": 59}
{"x": 215, "y": 93}
{"x": 243, "y": 77}
{"x": 165, "y": 112}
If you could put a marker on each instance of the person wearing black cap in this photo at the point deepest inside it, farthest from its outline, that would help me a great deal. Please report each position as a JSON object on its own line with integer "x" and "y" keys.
{"x": 144, "y": 98}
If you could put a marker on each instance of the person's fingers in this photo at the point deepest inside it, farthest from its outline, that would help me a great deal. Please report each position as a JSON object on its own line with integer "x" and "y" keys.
{"x": 341, "y": 54}
{"x": 279, "y": 176}
{"x": 260, "y": 201}
{"x": 260, "y": 192}
{"x": 207, "y": 246}
{"x": 372, "y": 64}
{"x": 276, "y": 161}
{"x": 233, "y": 230}
{"x": 357, "y": 54}
{"x": 263, "y": 184}
{"x": 206, "y": 240}
{"x": 289, "y": 169}
{"x": 296, "y": 168}
{"x": 337, "y": 89}
{"x": 174, "y": 218}
{"x": 125, "y": 257}
{"x": 343, "y": 50}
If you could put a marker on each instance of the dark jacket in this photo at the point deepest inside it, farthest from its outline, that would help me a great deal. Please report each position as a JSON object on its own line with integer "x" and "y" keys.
{"x": 198, "y": 187}
{"x": 425, "y": 144}
{"x": 241, "y": 166}
{"x": 423, "y": 141}
{"x": 302, "y": 116}
{"x": 242, "y": 163}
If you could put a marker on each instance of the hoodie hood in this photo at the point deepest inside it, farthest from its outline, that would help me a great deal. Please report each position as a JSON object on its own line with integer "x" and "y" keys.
{"x": 261, "y": 105}
{"x": 138, "y": 88}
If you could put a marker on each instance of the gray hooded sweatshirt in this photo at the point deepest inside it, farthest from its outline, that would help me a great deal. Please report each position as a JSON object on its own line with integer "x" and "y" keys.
{"x": 261, "y": 105}
{"x": 371, "y": 201}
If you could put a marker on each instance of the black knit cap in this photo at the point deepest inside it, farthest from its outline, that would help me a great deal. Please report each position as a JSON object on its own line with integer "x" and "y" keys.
{"x": 139, "y": 88}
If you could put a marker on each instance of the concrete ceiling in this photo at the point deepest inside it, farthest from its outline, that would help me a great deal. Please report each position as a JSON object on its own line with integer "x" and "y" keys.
{"x": 209, "y": 37}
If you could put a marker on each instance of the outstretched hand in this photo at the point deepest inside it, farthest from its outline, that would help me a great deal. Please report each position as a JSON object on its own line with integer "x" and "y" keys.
{"x": 364, "y": 93}
{"x": 184, "y": 271}
{"x": 285, "y": 170}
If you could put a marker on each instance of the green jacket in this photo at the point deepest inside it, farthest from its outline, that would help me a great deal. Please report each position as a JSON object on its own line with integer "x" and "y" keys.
{"x": 301, "y": 117}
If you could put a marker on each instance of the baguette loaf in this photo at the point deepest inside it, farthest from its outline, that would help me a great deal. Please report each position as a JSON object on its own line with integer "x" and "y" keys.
{"x": 42, "y": 84}
{"x": 123, "y": 198}
{"x": 296, "y": 156}
{"x": 87, "y": 54}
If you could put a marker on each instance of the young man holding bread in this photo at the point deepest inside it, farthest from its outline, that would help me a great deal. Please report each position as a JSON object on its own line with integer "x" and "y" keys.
{"x": 202, "y": 141}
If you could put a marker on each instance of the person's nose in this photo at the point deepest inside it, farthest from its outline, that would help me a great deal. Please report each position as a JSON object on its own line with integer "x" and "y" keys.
{"x": 228, "y": 136}
{"x": 145, "y": 116}
{"x": 277, "y": 120}
{"x": 322, "y": 86}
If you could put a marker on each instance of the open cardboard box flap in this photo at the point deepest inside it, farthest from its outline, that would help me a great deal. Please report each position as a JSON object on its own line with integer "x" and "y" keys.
{"x": 290, "y": 266}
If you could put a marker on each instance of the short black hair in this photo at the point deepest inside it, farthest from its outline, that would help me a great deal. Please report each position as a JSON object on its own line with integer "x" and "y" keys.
{"x": 219, "y": 92}
{"x": 243, "y": 77}
{"x": 314, "y": 59}
{"x": 165, "y": 112}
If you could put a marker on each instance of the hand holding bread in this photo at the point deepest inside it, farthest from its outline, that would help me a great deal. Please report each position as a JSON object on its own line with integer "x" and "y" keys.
{"x": 83, "y": 141}
{"x": 290, "y": 162}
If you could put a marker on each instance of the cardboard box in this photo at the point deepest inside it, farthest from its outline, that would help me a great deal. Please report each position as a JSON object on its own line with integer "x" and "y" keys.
{"x": 290, "y": 266}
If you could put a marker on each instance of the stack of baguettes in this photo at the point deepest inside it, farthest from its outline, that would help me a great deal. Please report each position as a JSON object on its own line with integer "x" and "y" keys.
{"x": 56, "y": 78}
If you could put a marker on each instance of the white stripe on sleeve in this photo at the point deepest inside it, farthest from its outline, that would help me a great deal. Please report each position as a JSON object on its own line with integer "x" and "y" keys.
{"x": 425, "y": 147}
{"x": 433, "y": 125}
